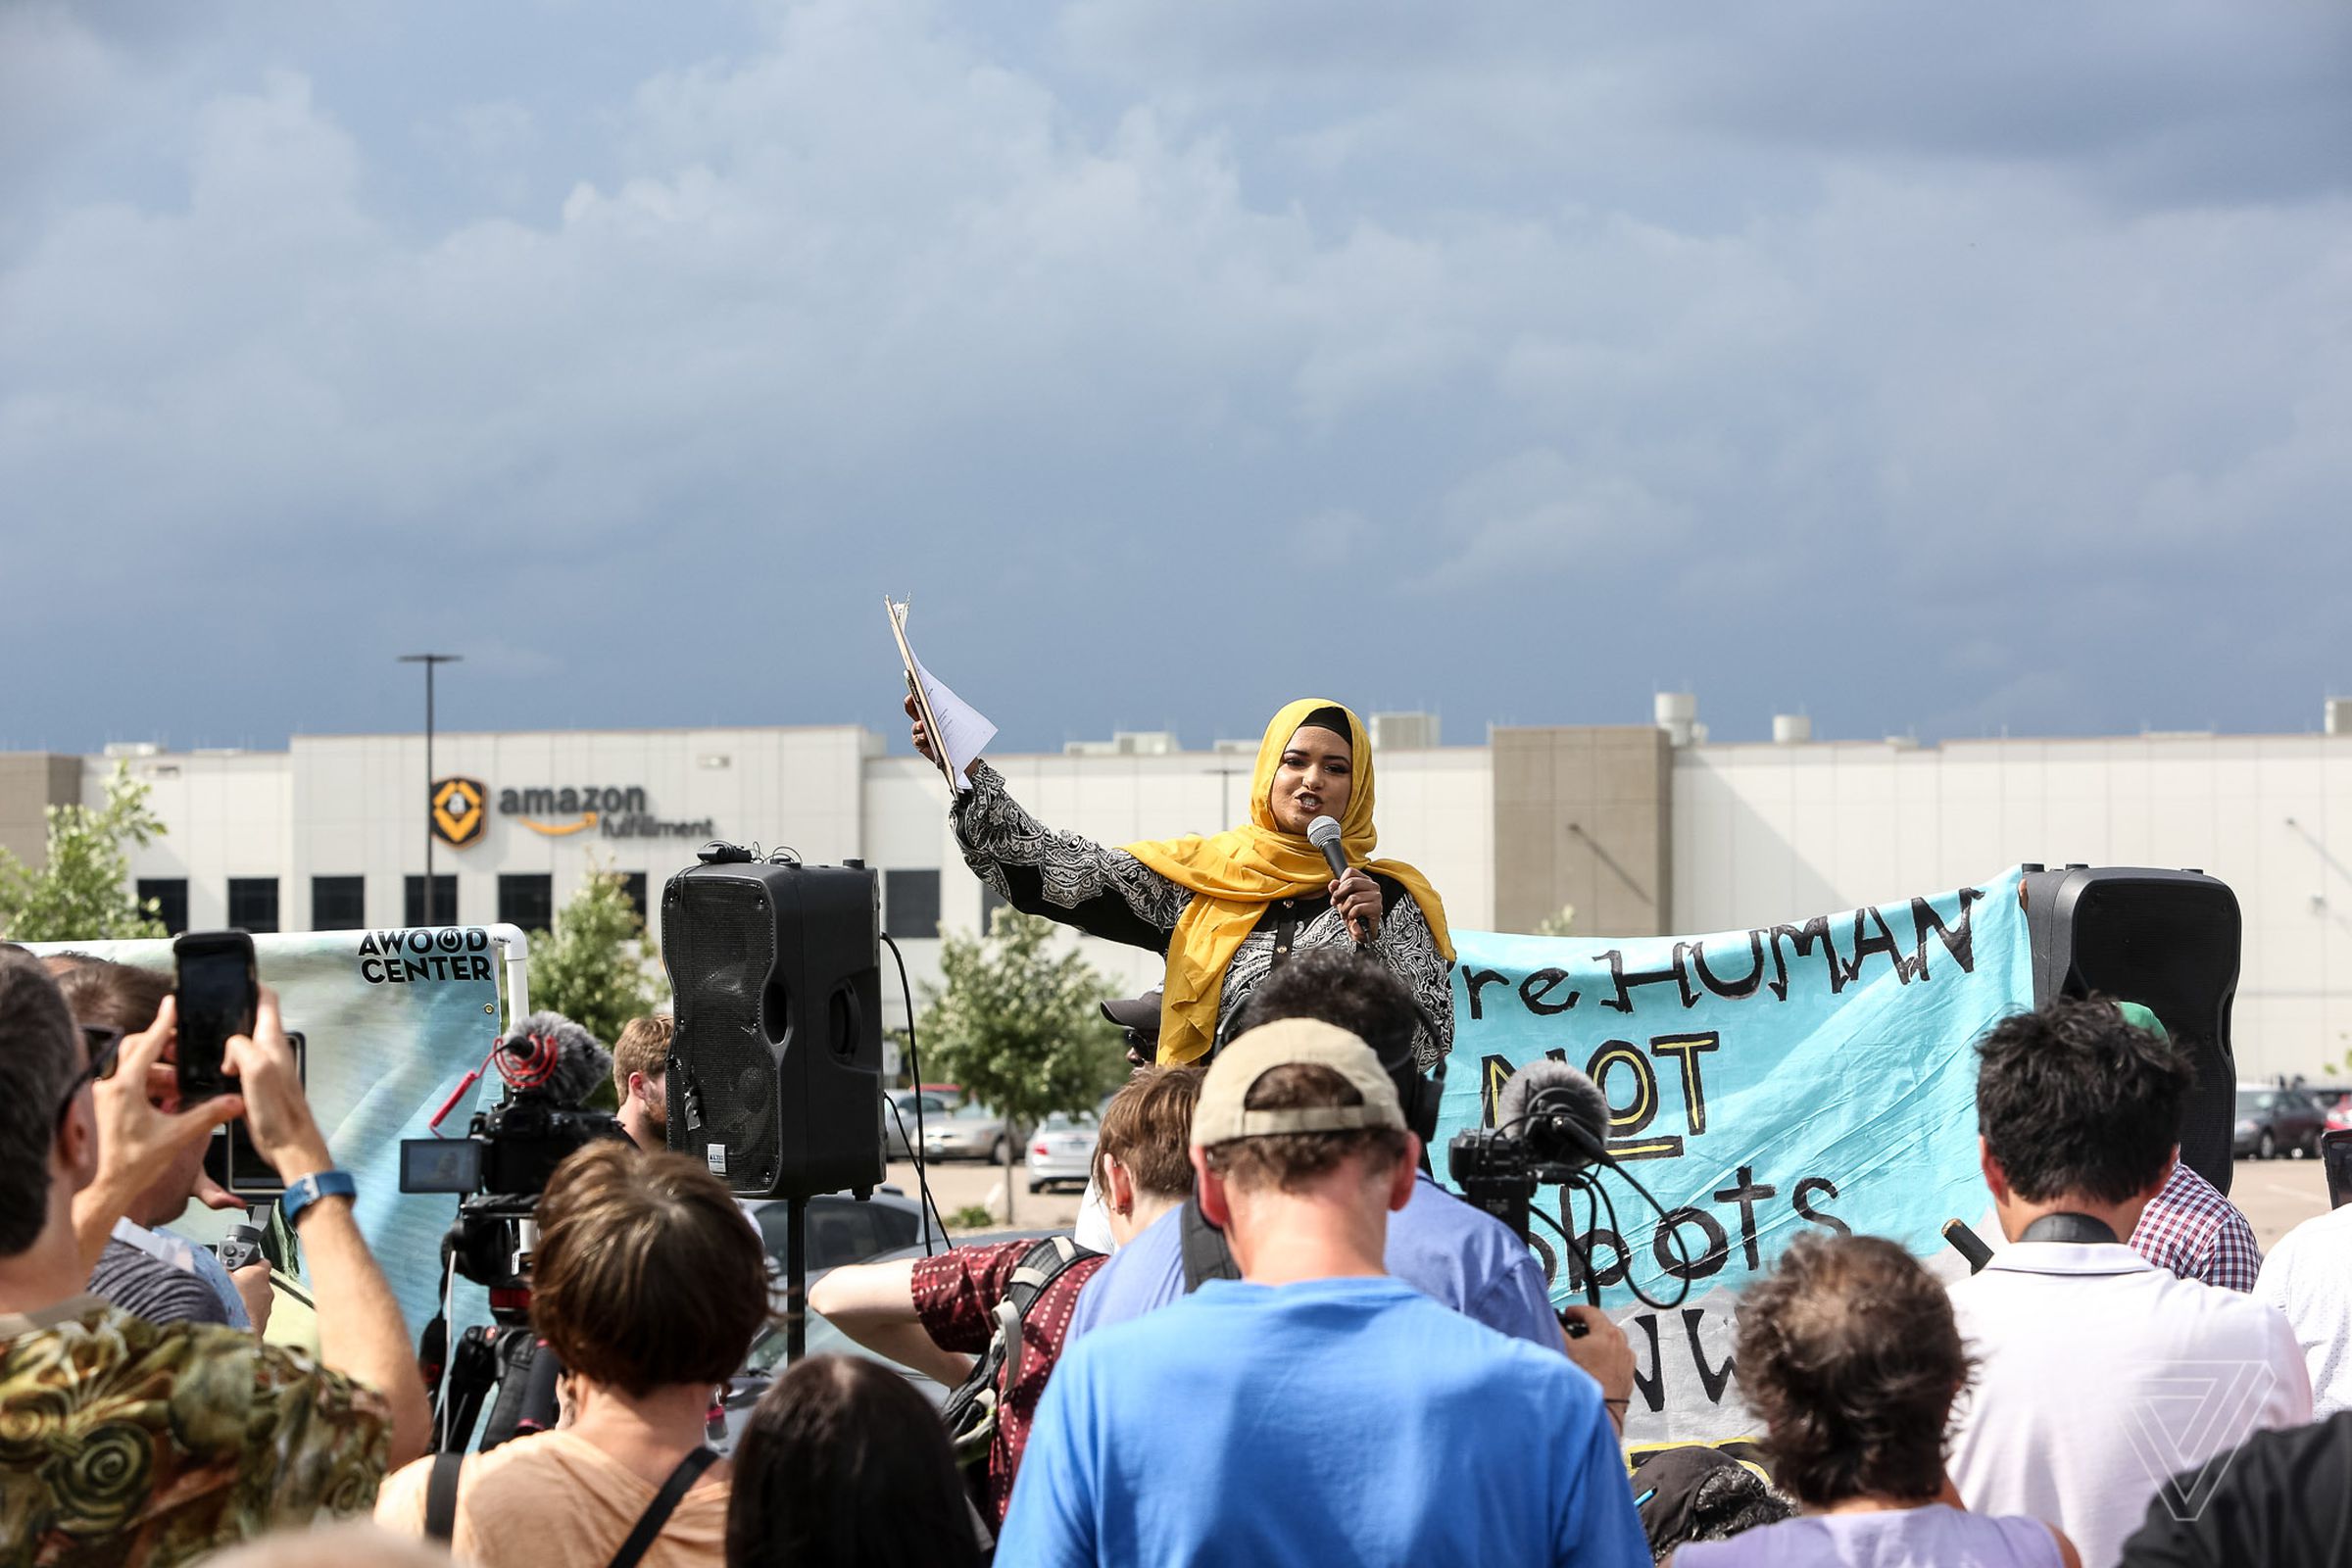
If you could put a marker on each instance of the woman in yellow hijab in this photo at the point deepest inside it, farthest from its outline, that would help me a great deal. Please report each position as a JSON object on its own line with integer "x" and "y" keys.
{"x": 1227, "y": 907}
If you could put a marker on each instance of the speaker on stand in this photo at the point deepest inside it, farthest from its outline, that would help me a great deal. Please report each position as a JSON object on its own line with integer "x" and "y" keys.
{"x": 2166, "y": 940}
{"x": 775, "y": 1060}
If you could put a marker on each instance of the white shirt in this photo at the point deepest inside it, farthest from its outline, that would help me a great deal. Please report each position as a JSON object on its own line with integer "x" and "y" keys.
{"x": 2308, "y": 1276}
{"x": 2100, "y": 1377}
{"x": 1092, "y": 1229}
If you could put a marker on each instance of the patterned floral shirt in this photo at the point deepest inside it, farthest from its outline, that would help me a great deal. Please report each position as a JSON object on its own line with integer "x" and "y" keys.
{"x": 124, "y": 1442}
{"x": 1108, "y": 893}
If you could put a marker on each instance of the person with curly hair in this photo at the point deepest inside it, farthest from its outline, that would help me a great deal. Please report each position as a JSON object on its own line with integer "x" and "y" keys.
{"x": 1848, "y": 1355}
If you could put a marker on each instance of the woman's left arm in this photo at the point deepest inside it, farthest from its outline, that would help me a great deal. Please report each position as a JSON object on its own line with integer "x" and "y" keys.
{"x": 1406, "y": 946}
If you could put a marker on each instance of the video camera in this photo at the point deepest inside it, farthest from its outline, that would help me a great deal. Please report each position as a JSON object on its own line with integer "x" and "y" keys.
{"x": 551, "y": 1066}
{"x": 1551, "y": 1124}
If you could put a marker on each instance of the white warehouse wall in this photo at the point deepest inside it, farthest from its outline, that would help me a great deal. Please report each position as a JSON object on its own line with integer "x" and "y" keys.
{"x": 1763, "y": 832}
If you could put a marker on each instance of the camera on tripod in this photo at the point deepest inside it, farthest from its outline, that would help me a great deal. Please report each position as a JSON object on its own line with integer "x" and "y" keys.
{"x": 551, "y": 1066}
{"x": 1551, "y": 1126}
{"x": 498, "y": 1170}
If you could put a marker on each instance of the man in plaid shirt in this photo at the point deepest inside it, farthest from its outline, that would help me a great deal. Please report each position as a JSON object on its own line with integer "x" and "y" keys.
{"x": 2191, "y": 1229}
{"x": 936, "y": 1313}
{"x": 2190, "y": 1226}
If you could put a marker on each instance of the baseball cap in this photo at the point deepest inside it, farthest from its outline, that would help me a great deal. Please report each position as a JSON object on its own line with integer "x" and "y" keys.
{"x": 1139, "y": 1014}
{"x": 1220, "y": 1116}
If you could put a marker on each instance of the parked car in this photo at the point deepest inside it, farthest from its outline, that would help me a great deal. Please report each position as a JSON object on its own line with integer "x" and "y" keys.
{"x": 898, "y": 1118}
{"x": 843, "y": 1229}
{"x": 2274, "y": 1121}
{"x": 1063, "y": 1152}
{"x": 2336, "y": 1102}
{"x": 969, "y": 1131}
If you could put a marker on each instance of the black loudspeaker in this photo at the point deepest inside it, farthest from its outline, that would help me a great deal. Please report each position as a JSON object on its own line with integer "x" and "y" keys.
{"x": 775, "y": 1065}
{"x": 2166, "y": 940}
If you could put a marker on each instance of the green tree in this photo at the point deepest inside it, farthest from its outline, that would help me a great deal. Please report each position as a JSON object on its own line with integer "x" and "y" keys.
{"x": 1558, "y": 923}
{"x": 83, "y": 893}
{"x": 1019, "y": 1026}
{"x": 596, "y": 967}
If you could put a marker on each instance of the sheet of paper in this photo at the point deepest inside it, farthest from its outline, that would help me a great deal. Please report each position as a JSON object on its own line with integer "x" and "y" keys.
{"x": 959, "y": 733}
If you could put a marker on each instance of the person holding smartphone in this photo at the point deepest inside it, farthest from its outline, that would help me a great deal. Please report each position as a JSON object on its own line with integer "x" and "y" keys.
{"x": 147, "y": 1268}
{"x": 147, "y": 1443}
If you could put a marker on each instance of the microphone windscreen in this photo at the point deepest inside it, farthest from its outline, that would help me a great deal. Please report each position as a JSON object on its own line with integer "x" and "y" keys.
{"x": 1545, "y": 1087}
{"x": 1322, "y": 831}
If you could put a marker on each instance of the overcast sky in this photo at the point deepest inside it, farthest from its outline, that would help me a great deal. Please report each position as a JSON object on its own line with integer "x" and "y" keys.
{"x": 1945, "y": 370}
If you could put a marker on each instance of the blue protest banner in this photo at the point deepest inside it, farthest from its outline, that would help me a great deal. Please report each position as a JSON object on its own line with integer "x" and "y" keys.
{"x": 395, "y": 1019}
{"x": 1816, "y": 1073}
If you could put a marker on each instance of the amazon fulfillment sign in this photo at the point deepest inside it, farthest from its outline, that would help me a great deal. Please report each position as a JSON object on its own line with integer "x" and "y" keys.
{"x": 460, "y": 809}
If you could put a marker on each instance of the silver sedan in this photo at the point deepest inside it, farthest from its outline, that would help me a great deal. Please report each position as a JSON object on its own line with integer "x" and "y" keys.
{"x": 1062, "y": 1151}
{"x": 970, "y": 1132}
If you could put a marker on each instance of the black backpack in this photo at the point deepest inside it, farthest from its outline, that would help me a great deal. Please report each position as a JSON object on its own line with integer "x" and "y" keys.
{"x": 973, "y": 1410}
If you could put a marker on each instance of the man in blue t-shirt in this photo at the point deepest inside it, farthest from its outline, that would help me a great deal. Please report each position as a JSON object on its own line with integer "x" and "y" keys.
{"x": 1460, "y": 1256}
{"x": 1316, "y": 1410}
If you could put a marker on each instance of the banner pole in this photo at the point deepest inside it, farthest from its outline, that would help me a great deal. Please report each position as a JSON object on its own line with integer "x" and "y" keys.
{"x": 515, "y": 957}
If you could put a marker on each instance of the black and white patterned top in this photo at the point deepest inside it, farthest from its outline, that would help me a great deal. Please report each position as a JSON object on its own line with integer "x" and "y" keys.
{"x": 1108, "y": 893}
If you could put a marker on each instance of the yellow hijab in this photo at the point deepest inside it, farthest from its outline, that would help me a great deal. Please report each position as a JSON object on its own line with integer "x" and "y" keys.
{"x": 1235, "y": 874}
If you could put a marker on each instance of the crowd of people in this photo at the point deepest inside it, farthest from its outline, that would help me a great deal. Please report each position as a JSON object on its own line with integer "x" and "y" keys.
{"x": 1303, "y": 1349}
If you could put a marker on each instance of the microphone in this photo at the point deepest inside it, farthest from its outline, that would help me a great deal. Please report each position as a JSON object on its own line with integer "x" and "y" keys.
{"x": 1559, "y": 1111}
{"x": 549, "y": 1053}
{"x": 1968, "y": 1244}
{"x": 1324, "y": 833}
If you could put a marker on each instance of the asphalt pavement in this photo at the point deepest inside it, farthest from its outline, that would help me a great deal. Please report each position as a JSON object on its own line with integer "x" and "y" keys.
{"x": 956, "y": 1184}
{"x": 2278, "y": 1194}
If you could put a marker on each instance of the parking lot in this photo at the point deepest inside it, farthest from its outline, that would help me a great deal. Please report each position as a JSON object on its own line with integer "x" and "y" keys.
{"x": 2276, "y": 1194}
{"x": 959, "y": 1183}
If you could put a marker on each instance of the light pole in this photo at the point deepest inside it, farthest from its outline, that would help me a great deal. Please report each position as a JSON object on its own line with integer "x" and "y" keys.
{"x": 428, "y": 660}
{"x": 1225, "y": 777}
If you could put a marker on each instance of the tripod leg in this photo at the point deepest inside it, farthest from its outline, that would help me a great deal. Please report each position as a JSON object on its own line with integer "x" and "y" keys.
{"x": 473, "y": 1371}
{"x": 526, "y": 1388}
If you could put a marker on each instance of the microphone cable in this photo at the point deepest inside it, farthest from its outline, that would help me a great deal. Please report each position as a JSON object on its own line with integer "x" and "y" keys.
{"x": 914, "y": 1069}
{"x": 1600, "y": 1157}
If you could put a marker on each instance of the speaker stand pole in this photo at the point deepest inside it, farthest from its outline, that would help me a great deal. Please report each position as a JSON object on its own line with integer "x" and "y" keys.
{"x": 796, "y": 1279}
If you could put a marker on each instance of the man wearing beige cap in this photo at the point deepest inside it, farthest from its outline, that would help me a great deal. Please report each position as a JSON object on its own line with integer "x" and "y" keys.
{"x": 1316, "y": 1410}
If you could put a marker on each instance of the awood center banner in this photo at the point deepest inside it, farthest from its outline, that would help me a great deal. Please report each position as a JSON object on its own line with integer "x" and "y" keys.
{"x": 1760, "y": 1083}
{"x": 395, "y": 1019}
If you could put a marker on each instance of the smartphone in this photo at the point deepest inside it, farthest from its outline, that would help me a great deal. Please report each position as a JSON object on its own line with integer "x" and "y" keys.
{"x": 217, "y": 993}
{"x": 232, "y": 1160}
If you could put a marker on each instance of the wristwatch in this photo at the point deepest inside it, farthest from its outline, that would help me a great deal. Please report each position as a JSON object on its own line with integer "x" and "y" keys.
{"x": 304, "y": 1191}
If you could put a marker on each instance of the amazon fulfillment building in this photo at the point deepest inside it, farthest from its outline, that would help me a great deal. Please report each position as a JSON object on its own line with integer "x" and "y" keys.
{"x": 1640, "y": 829}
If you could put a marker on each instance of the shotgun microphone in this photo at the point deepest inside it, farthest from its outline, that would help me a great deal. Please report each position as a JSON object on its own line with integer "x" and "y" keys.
{"x": 1559, "y": 1111}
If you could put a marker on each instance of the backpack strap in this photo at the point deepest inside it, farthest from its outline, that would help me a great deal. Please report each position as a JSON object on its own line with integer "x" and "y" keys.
{"x": 1207, "y": 1257}
{"x": 976, "y": 1405}
{"x": 1038, "y": 1268}
{"x": 441, "y": 1496}
{"x": 656, "y": 1512}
